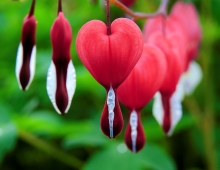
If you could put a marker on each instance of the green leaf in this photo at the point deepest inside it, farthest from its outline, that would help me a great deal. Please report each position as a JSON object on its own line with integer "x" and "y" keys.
{"x": 8, "y": 132}
{"x": 117, "y": 156}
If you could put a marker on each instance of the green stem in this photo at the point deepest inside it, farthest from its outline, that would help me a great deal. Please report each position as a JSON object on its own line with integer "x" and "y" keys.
{"x": 57, "y": 154}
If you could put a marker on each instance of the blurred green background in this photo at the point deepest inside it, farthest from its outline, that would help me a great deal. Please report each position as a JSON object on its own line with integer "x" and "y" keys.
{"x": 34, "y": 137}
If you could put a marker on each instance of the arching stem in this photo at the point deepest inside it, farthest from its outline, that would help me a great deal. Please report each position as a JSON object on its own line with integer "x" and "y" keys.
{"x": 107, "y": 4}
{"x": 162, "y": 10}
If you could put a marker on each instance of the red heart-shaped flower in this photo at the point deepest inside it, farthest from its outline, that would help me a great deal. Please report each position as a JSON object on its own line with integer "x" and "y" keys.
{"x": 145, "y": 79}
{"x": 110, "y": 59}
{"x": 138, "y": 89}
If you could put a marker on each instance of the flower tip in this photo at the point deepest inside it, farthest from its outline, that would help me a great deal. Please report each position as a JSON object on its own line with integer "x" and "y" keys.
{"x": 60, "y": 89}
{"x": 112, "y": 127}
{"x": 25, "y": 66}
{"x": 134, "y": 135}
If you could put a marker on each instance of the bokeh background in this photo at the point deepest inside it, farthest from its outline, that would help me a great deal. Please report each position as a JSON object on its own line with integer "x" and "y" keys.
{"x": 34, "y": 137}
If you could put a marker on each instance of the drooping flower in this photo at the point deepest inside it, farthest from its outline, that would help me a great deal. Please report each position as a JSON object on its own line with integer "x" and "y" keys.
{"x": 186, "y": 16}
{"x": 110, "y": 59}
{"x": 175, "y": 64}
{"x": 183, "y": 25}
{"x": 61, "y": 78}
{"x": 138, "y": 89}
{"x": 26, "y": 55}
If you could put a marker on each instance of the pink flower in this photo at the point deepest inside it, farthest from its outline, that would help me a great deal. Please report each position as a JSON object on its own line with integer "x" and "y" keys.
{"x": 138, "y": 89}
{"x": 110, "y": 59}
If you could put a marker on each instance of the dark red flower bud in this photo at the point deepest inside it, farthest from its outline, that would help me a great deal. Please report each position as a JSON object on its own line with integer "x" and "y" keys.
{"x": 26, "y": 56}
{"x": 61, "y": 79}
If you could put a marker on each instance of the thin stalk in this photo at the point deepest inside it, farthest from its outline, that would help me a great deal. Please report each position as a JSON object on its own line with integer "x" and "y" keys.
{"x": 162, "y": 10}
{"x": 31, "y": 13}
{"x": 55, "y": 153}
{"x": 208, "y": 119}
{"x": 59, "y": 6}
{"x": 108, "y": 17}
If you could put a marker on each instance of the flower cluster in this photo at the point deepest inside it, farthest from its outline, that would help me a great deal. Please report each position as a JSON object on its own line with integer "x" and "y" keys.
{"x": 61, "y": 78}
{"x": 133, "y": 66}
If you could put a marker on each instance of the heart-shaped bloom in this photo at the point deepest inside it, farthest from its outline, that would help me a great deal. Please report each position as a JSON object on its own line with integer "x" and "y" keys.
{"x": 186, "y": 16}
{"x": 110, "y": 59}
{"x": 61, "y": 78}
{"x": 175, "y": 66}
{"x": 26, "y": 55}
{"x": 138, "y": 89}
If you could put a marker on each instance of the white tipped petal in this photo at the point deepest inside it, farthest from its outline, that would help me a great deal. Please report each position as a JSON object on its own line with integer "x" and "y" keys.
{"x": 70, "y": 83}
{"x": 32, "y": 66}
{"x": 19, "y": 61}
{"x": 192, "y": 77}
{"x": 52, "y": 85}
{"x": 158, "y": 108}
{"x": 175, "y": 110}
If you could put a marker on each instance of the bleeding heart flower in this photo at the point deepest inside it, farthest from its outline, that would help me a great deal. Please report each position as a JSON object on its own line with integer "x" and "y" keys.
{"x": 26, "y": 55}
{"x": 138, "y": 89}
{"x": 61, "y": 78}
{"x": 169, "y": 27}
{"x": 186, "y": 16}
{"x": 168, "y": 110}
{"x": 110, "y": 59}
{"x": 169, "y": 45}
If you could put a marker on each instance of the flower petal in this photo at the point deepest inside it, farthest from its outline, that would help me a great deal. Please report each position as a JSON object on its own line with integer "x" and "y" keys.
{"x": 111, "y": 120}
{"x": 167, "y": 111}
{"x": 134, "y": 135}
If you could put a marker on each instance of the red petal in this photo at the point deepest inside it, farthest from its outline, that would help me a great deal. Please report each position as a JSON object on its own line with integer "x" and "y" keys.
{"x": 173, "y": 58}
{"x": 28, "y": 42}
{"x": 110, "y": 59}
{"x": 145, "y": 79}
{"x": 187, "y": 17}
{"x": 61, "y": 37}
{"x": 167, "y": 115}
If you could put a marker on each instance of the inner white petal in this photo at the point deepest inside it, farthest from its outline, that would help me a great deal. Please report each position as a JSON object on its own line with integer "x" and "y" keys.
{"x": 32, "y": 66}
{"x": 70, "y": 83}
{"x": 19, "y": 61}
{"x": 192, "y": 77}
{"x": 176, "y": 112}
{"x": 111, "y": 106}
{"x": 158, "y": 111}
{"x": 134, "y": 133}
{"x": 52, "y": 85}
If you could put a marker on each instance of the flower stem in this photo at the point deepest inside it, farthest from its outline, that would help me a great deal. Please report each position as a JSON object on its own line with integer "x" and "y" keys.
{"x": 59, "y": 6}
{"x": 31, "y": 13}
{"x": 162, "y": 10}
{"x": 57, "y": 154}
{"x": 108, "y": 17}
